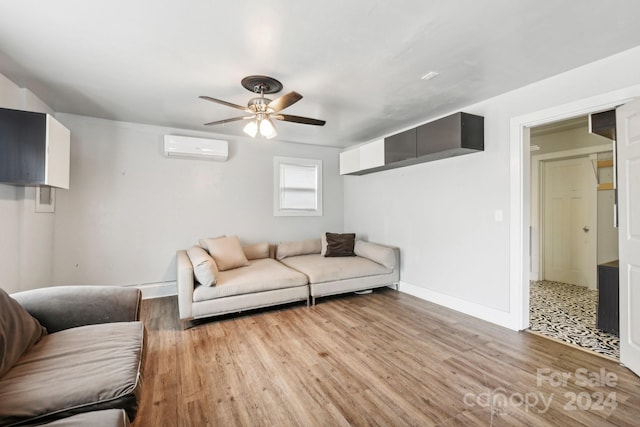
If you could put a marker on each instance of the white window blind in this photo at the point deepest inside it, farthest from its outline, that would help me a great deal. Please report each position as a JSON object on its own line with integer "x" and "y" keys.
{"x": 297, "y": 186}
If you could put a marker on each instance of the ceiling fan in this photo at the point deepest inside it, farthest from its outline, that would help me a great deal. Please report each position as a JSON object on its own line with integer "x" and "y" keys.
{"x": 262, "y": 110}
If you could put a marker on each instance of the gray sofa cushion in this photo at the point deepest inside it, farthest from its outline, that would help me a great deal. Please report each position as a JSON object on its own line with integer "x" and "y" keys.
{"x": 19, "y": 331}
{"x": 77, "y": 370}
{"x": 106, "y": 418}
{"x": 322, "y": 269}
{"x": 260, "y": 275}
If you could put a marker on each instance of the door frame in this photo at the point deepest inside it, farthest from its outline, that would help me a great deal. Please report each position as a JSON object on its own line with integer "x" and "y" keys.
{"x": 538, "y": 162}
{"x": 520, "y": 189}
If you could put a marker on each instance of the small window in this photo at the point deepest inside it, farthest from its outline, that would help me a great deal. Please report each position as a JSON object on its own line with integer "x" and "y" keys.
{"x": 297, "y": 187}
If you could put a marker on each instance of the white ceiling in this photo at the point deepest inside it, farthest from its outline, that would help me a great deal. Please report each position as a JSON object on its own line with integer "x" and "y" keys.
{"x": 358, "y": 63}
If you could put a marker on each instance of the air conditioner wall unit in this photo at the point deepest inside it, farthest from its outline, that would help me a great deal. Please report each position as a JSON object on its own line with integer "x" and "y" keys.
{"x": 196, "y": 148}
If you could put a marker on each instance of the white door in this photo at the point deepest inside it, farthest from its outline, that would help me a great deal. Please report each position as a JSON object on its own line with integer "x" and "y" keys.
{"x": 628, "y": 163}
{"x": 569, "y": 222}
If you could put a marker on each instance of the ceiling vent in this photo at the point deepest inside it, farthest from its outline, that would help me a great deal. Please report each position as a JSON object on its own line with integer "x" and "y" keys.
{"x": 196, "y": 148}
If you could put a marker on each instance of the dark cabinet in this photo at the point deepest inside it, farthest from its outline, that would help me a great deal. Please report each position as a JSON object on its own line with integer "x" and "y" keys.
{"x": 34, "y": 149}
{"x": 453, "y": 135}
{"x": 608, "y": 298}
{"x": 603, "y": 124}
{"x": 400, "y": 147}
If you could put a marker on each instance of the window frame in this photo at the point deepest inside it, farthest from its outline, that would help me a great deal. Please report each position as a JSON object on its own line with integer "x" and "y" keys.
{"x": 298, "y": 162}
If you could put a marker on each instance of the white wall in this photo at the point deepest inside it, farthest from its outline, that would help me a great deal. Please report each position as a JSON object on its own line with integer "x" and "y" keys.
{"x": 26, "y": 238}
{"x": 441, "y": 214}
{"x": 129, "y": 208}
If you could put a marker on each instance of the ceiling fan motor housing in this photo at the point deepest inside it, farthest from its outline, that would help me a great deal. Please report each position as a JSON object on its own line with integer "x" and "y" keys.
{"x": 260, "y": 105}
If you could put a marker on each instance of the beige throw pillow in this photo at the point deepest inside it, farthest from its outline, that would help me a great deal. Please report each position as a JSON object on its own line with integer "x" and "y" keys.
{"x": 323, "y": 242}
{"x": 204, "y": 267}
{"x": 19, "y": 331}
{"x": 203, "y": 242}
{"x": 227, "y": 252}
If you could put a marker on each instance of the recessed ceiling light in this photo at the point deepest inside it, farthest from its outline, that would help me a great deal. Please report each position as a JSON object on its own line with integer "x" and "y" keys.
{"x": 429, "y": 75}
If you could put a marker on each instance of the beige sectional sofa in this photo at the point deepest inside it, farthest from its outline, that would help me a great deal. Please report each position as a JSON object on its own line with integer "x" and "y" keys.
{"x": 292, "y": 271}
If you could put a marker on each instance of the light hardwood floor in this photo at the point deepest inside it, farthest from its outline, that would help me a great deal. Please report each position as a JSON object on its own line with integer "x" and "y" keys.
{"x": 381, "y": 359}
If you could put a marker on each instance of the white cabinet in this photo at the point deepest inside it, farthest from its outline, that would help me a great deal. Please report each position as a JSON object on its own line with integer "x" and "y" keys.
{"x": 372, "y": 155}
{"x": 350, "y": 161}
{"x": 356, "y": 160}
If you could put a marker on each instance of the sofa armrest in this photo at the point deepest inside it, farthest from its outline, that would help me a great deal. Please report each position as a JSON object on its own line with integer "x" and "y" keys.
{"x": 185, "y": 284}
{"x": 63, "y": 307}
{"x": 388, "y": 256}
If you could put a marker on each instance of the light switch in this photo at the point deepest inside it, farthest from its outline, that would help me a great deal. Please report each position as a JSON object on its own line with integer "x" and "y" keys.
{"x": 498, "y": 216}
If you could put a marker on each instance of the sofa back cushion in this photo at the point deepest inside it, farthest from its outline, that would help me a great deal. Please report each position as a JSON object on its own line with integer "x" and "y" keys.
{"x": 298, "y": 247}
{"x": 204, "y": 267}
{"x": 19, "y": 331}
{"x": 256, "y": 251}
{"x": 383, "y": 255}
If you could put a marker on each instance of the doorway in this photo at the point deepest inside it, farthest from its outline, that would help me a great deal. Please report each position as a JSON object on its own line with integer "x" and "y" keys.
{"x": 571, "y": 232}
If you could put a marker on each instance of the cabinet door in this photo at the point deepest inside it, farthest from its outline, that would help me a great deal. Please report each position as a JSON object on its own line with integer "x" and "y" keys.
{"x": 372, "y": 155}
{"x": 350, "y": 161}
{"x": 400, "y": 147}
{"x": 22, "y": 147}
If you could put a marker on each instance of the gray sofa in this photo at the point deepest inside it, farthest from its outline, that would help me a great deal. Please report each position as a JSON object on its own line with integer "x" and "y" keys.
{"x": 294, "y": 271}
{"x": 82, "y": 365}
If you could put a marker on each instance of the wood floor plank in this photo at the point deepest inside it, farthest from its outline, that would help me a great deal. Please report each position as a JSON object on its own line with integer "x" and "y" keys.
{"x": 386, "y": 359}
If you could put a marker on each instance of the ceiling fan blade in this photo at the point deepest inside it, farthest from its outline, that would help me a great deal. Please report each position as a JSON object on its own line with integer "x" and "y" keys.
{"x": 228, "y": 104}
{"x": 298, "y": 119}
{"x": 284, "y": 101}
{"x": 235, "y": 119}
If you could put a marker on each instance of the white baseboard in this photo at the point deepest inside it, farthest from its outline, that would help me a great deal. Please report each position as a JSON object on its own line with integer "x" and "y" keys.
{"x": 157, "y": 290}
{"x": 492, "y": 315}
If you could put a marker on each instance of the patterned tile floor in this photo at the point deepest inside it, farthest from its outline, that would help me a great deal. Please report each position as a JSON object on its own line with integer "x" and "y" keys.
{"x": 568, "y": 313}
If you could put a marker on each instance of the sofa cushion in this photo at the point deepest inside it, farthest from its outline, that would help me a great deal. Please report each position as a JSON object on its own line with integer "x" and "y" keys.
{"x": 298, "y": 247}
{"x": 260, "y": 275}
{"x": 106, "y": 418}
{"x": 204, "y": 267}
{"x": 19, "y": 331}
{"x": 384, "y": 255}
{"x": 320, "y": 269}
{"x": 339, "y": 245}
{"x": 256, "y": 251}
{"x": 227, "y": 252}
{"x": 77, "y": 370}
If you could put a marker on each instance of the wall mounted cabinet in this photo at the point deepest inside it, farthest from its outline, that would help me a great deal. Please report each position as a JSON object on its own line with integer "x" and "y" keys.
{"x": 34, "y": 149}
{"x": 454, "y": 135}
{"x": 400, "y": 147}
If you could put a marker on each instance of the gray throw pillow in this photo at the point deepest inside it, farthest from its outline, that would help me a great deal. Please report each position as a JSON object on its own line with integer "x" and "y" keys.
{"x": 340, "y": 244}
{"x": 19, "y": 331}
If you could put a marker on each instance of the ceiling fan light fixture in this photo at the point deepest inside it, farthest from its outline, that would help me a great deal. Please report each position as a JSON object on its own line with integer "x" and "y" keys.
{"x": 267, "y": 129}
{"x": 251, "y": 128}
